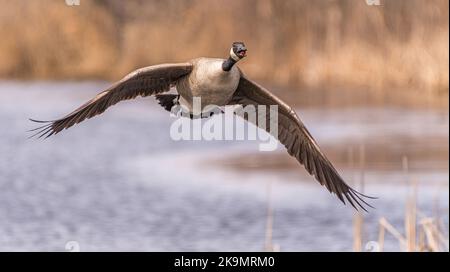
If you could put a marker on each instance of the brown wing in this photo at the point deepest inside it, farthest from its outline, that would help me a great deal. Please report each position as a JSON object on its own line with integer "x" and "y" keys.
{"x": 293, "y": 134}
{"x": 142, "y": 82}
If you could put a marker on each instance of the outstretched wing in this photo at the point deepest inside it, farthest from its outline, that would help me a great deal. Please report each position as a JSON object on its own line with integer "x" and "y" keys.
{"x": 142, "y": 82}
{"x": 293, "y": 134}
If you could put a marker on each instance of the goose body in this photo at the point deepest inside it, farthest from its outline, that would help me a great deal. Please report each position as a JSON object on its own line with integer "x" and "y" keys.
{"x": 217, "y": 82}
{"x": 209, "y": 81}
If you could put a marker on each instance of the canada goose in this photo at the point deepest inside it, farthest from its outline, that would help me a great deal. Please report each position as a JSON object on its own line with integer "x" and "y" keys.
{"x": 219, "y": 82}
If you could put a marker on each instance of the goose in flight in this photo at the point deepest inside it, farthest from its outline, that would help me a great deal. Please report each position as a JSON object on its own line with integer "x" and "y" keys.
{"x": 217, "y": 82}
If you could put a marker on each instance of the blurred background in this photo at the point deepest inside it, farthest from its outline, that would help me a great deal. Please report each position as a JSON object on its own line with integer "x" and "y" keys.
{"x": 369, "y": 81}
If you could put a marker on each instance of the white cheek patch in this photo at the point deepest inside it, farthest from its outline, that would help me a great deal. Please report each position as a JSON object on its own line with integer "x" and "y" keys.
{"x": 234, "y": 56}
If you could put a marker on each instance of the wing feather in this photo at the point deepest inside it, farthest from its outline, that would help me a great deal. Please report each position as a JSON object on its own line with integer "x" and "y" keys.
{"x": 299, "y": 143}
{"x": 142, "y": 82}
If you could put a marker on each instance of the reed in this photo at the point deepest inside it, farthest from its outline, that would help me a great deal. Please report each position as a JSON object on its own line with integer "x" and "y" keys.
{"x": 268, "y": 241}
{"x": 422, "y": 233}
{"x": 358, "y": 218}
{"x": 401, "y": 47}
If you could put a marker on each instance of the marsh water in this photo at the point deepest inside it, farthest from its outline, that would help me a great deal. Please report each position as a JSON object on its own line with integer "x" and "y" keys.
{"x": 118, "y": 182}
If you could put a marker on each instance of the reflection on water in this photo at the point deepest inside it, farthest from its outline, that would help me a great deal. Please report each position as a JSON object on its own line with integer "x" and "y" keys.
{"x": 118, "y": 182}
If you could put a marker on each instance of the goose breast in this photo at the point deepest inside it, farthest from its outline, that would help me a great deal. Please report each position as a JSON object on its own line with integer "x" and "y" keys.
{"x": 208, "y": 81}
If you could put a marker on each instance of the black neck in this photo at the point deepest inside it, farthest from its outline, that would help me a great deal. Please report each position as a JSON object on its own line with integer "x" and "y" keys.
{"x": 228, "y": 64}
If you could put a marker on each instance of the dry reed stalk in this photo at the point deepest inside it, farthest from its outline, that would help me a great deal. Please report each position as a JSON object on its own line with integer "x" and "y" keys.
{"x": 381, "y": 234}
{"x": 269, "y": 246}
{"x": 358, "y": 219}
{"x": 410, "y": 211}
{"x": 422, "y": 243}
{"x": 391, "y": 229}
{"x": 410, "y": 226}
{"x": 431, "y": 233}
{"x": 357, "y": 232}
{"x": 438, "y": 216}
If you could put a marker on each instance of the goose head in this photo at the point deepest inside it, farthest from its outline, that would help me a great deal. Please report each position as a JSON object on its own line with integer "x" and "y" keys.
{"x": 238, "y": 51}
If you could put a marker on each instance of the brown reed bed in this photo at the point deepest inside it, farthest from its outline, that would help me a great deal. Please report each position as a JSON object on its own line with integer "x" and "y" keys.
{"x": 398, "y": 47}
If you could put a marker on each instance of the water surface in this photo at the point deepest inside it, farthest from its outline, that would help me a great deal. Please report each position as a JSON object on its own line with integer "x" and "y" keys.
{"x": 118, "y": 182}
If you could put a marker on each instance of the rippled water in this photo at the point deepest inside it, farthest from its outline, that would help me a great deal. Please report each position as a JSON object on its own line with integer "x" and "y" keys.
{"x": 118, "y": 182}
